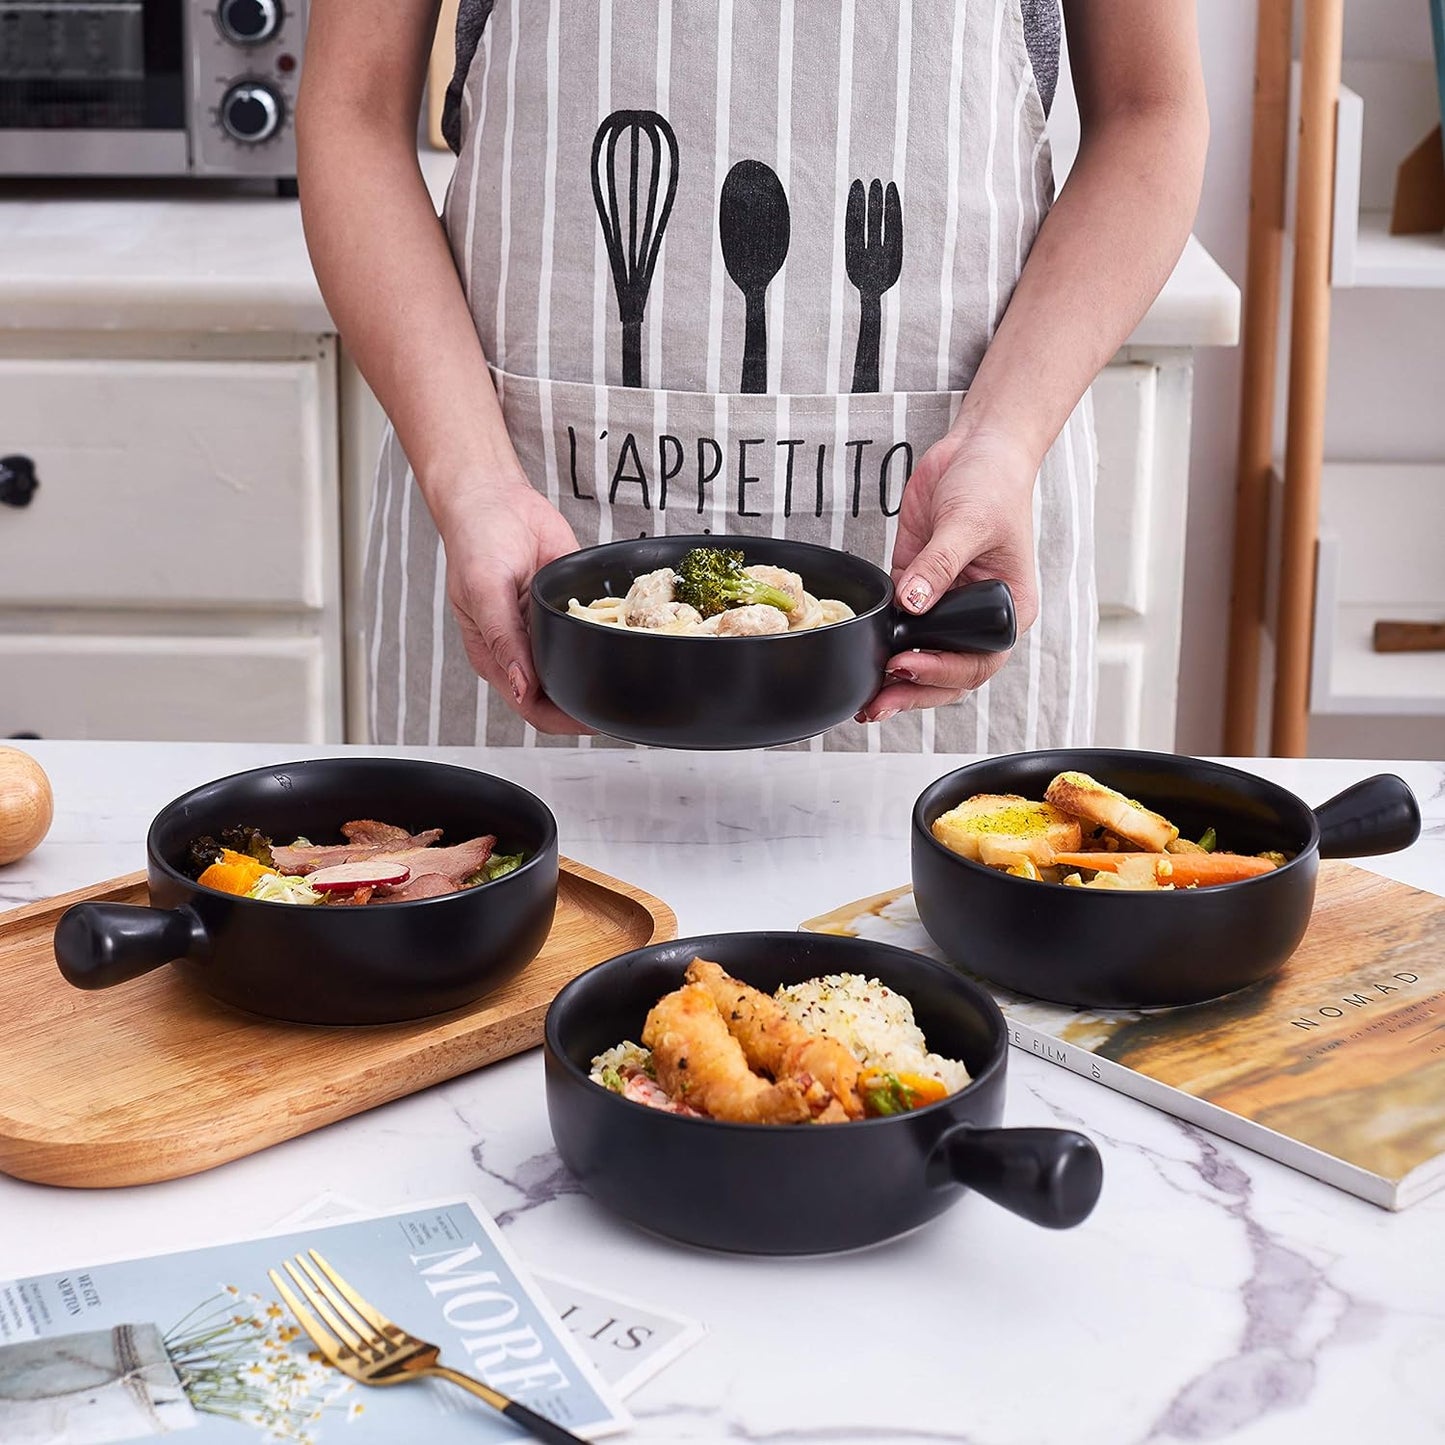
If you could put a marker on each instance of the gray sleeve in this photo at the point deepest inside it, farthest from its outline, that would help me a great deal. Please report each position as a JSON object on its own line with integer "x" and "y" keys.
{"x": 1042, "y": 23}
{"x": 472, "y": 17}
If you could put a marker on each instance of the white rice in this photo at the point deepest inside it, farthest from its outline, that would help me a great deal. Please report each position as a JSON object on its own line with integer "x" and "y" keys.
{"x": 875, "y": 1024}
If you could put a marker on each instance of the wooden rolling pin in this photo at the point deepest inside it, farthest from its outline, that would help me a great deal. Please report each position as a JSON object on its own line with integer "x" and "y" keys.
{"x": 1409, "y": 636}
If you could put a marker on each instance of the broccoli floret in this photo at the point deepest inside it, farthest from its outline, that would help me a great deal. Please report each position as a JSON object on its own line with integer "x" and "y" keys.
{"x": 712, "y": 580}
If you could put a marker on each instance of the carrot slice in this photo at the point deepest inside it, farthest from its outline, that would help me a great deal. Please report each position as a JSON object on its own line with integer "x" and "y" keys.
{"x": 1183, "y": 870}
{"x": 1202, "y": 869}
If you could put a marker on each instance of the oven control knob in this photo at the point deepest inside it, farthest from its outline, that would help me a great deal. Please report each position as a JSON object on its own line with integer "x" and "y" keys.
{"x": 248, "y": 22}
{"x": 251, "y": 112}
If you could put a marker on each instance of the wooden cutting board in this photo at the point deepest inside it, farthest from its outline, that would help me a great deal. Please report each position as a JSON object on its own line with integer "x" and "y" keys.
{"x": 153, "y": 1079}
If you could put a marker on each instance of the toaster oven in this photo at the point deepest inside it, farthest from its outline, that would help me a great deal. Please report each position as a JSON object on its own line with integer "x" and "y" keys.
{"x": 150, "y": 87}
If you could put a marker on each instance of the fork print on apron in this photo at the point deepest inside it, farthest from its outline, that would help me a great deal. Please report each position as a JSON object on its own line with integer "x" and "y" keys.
{"x": 733, "y": 267}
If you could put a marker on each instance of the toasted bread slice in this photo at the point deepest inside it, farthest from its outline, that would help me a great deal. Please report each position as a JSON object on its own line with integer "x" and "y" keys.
{"x": 1082, "y": 796}
{"x": 1001, "y": 829}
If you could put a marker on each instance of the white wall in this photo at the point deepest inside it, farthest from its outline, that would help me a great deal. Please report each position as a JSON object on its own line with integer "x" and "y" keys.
{"x": 1387, "y": 366}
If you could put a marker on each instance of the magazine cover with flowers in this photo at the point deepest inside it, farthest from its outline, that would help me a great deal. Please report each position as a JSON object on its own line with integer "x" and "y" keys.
{"x": 200, "y": 1342}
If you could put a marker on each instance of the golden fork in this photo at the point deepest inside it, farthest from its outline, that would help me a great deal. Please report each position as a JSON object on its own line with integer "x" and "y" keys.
{"x": 361, "y": 1342}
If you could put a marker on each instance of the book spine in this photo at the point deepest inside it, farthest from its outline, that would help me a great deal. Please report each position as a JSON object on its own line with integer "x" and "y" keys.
{"x": 1325, "y": 1167}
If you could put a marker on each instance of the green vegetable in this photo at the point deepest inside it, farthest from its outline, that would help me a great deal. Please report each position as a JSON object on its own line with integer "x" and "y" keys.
{"x": 1208, "y": 840}
{"x": 204, "y": 851}
{"x": 250, "y": 841}
{"x": 500, "y": 863}
{"x": 892, "y": 1096}
{"x": 712, "y": 580}
{"x": 611, "y": 1079}
{"x": 201, "y": 853}
{"x": 284, "y": 888}
{"x": 497, "y": 866}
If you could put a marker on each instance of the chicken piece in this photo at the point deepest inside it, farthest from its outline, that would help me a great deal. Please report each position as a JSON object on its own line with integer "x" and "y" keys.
{"x": 755, "y": 620}
{"x": 650, "y": 601}
{"x": 784, "y": 581}
{"x": 701, "y": 1064}
{"x": 775, "y": 1043}
{"x": 808, "y": 613}
{"x": 670, "y": 617}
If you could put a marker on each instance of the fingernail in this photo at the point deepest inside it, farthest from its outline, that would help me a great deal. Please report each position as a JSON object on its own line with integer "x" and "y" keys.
{"x": 900, "y": 674}
{"x": 518, "y": 679}
{"x": 887, "y": 713}
{"x": 916, "y": 593}
{"x": 860, "y": 717}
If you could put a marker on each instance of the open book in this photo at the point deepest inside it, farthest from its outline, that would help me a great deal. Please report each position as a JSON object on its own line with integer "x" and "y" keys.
{"x": 1335, "y": 1067}
{"x": 199, "y": 1341}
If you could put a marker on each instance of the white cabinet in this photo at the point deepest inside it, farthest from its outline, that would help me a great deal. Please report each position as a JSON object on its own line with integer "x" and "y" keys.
{"x": 177, "y": 573}
{"x": 1141, "y": 417}
{"x": 168, "y": 483}
{"x": 164, "y": 687}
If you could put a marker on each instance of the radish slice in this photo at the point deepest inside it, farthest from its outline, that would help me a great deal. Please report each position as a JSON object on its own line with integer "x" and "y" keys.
{"x": 373, "y": 873}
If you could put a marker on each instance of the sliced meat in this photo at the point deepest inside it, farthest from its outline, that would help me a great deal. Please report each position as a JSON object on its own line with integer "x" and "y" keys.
{"x": 308, "y": 857}
{"x": 456, "y": 863}
{"x": 423, "y": 885}
{"x": 368, "y": 832}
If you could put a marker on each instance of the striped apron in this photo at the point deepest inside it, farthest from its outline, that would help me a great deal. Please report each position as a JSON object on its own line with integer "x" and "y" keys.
{"x": 733, "y": 267}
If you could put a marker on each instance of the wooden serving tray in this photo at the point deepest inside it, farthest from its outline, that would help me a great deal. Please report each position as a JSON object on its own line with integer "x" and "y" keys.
{"x": 154, "y": 1079}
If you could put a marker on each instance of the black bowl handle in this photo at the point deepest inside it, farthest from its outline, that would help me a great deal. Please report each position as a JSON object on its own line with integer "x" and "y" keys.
{"x": 977, "y": 617}
{"x": 1049, "y": 1176}
{"x": 1378, "y": 815}
{"x": 100, "y": 944}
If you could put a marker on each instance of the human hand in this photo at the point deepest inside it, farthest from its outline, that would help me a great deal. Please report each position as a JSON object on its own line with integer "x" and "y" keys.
{"x": 967, "y": 515}
{"x": 496, "y": 537}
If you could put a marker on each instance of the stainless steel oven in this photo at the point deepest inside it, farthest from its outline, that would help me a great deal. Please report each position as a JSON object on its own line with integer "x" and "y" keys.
{"x": 150, "y": 87}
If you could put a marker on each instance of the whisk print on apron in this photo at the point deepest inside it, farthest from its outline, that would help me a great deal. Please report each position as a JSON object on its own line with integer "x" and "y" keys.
{"x": 733, "y": 272}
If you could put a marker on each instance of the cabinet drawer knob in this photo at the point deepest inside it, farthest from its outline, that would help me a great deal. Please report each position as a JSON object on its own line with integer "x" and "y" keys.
{"x": 18, "y": 481}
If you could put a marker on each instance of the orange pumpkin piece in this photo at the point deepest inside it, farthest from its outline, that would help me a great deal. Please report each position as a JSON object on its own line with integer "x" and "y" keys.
{"x": 235, "y": 873}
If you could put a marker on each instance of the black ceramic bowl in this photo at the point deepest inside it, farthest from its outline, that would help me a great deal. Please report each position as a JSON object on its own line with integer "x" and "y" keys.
{"x": 377, "y": 964}
{"x": 739, "y": 692}
{"x": 1099, "y": 948}
{"x": 809, "y": 1188}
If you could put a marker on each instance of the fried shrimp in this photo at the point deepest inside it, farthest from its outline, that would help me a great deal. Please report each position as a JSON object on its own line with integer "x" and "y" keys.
{"x": 701, "y": 1064}
{"x": 771, "y": 1041}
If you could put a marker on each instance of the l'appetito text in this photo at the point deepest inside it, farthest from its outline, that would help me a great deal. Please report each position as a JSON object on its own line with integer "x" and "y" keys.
{"x": 686, "y": 474}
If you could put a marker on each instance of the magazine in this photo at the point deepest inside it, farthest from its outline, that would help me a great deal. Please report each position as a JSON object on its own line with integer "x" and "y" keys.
{"x": 199, "y": 1341}
{"x": 1335, "y": 1067}
{"x": 627, "y": 1340}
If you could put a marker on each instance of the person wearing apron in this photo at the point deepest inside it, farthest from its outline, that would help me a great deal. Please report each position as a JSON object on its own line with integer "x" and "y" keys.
{"x": 734, "y": 268}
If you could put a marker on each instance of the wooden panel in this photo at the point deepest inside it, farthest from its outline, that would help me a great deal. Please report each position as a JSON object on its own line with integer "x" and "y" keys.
{"x": 166, "y": 483}
{"x": 191, "y": 1083}
{"x": 169, "y": 689}
{"x": 1124, "y": 418}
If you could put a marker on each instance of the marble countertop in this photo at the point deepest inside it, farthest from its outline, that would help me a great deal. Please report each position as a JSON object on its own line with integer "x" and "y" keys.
{"x": 205, "y": 256}
{"x": 1213, "y": 1295}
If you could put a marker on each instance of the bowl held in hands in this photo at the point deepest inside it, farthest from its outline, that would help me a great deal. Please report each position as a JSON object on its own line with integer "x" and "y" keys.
{"x": 739, "y": 692}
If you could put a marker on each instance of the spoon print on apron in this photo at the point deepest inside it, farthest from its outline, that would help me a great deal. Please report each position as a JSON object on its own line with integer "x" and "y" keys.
{"x": 733, "y": 267}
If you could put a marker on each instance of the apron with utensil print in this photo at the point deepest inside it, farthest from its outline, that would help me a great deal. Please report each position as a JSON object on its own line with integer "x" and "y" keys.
{"x": 733, "y": 267}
